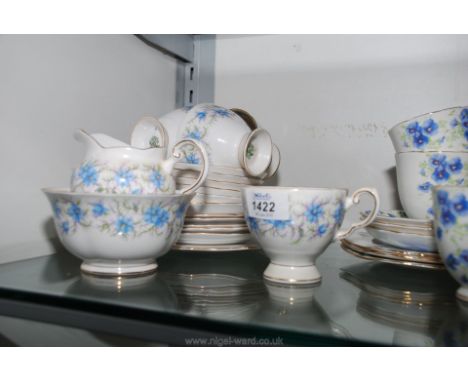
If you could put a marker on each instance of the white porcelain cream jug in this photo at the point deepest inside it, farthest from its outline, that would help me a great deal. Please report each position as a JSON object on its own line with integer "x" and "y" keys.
{"x": 131, "y": 170}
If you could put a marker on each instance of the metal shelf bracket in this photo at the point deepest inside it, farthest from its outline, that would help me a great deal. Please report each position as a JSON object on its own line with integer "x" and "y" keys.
{"x": 195, "y": 68}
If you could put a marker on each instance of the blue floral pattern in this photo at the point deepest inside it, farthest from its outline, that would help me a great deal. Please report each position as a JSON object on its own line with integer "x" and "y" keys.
{"x": 429, "y": 134}
{"x": 95, "y": 176}
{"x": 318, "y": 218}
{"x": 451, "y": 225}
{"x": 198, "y": 126}
{"x": 438, "y": 169}
{"x": 119, "y": 218}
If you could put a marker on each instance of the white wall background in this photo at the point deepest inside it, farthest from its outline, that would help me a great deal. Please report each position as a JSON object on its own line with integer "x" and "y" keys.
{"x": 328, "y": 100}
{"x": 52, "y": 85}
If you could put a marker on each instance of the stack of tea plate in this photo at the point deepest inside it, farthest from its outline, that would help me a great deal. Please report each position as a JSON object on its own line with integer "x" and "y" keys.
{"x": 394, "y": 238}
{"x": 215, "y": 219}
{"x": 240, "y": 154}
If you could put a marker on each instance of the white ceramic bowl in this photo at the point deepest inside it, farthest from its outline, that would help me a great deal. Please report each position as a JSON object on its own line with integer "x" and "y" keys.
{"x": 451, "y": 226}
{"x": 220, "y": 129}
{"x": 117, "y": 234}
{"x": 445, "y": 130}
{"x": 418, "y": 172}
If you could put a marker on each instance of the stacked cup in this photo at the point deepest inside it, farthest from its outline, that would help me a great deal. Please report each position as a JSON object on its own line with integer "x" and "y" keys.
{"x": 431, "y": 150}
{"x": 240, "y": 155}
{"x": 432, "y": 172}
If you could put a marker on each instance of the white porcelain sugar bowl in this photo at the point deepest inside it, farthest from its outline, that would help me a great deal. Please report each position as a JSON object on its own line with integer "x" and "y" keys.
{"x": 131, "y": 170}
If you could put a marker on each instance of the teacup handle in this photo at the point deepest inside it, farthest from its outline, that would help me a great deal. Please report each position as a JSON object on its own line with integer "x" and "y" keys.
{"x": 354, "y": 199}
{"x": 153, "y": 124}
{"x": 178, "y": 154}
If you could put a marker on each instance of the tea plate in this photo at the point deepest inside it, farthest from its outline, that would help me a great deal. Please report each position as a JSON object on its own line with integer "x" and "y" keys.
{"x": 202, "y": 208}
{"x": 412, "y": 264}
{"x": 214, "y": 229}
{"x": 214, "y": 220}
{"x": 404, "y": 240}
{"x": 182, "y": 181}
{"x": 399, "y": 218}
{"x": 213, "y": 238}
{"x": 363, "y": 243}
{"x": 216, "y": 248}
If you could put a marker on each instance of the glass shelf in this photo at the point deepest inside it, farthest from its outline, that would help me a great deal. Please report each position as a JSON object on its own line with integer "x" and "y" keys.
{"x": 222, "y": 299}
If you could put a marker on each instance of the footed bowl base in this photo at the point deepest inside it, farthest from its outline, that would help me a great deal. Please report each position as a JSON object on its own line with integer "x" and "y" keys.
{"x": 116, "y": 269}
{"x": 284, "y": 274}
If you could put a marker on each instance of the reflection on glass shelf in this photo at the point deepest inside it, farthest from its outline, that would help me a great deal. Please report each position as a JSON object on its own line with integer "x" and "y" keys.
{"x": 412, "y": 301}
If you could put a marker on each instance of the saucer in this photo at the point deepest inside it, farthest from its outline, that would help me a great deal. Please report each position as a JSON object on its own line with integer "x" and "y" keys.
{"x": 216, "y": 248}
{"x": 362, "y": 244}
{"x": 404, "y": 240}
{"x": 213, "y": 238}
{"x": 398, "y": 218}
{"x": 215, "y": 229}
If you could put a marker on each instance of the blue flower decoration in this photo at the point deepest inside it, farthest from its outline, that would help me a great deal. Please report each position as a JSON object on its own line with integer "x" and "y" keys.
{"x": 454, "y": 122}
{"x": 322, "y": 229}
{"x": 99, "y": 209}
{"x": 75, "y": 212}
{"x": 452, "y": 262}
{"x": 441, "y": 175}
{"x": 438, "y": 160}
{"x": 157, "y": 179}
{"x": 430, "y": 127}
{"x": 464, "y": 115}
{"x": 425, "y": 187}
{"x": 65, "y": 226}
{"x": 447, "y": 218}
{"x": 253, "y": 224}
{"x": 338, "y": 215}
{"x": 201, "y": 115}
{"x": 420, "y": 140}
{"x": 192, "y": 158}
{"x": 88, "y": 174}
{"x": 413, "y": 128}
{"x": 56, "y": 208}
{"x": 460, "y": 205}
{"x": 222, "y": 112}
{"x": 156, "y": 216}
{"x": 194, "y": 134}
{"x": 124, "y": 177}
{"x": 439, "y": 233}
{"x": 314, "y": 212}
{"x": 279, "y": 224}
{"x": 442, "y": 197}
{"x": 430, "y": 211}
{"x": 455, "y": 165}
{"x": 181, "y": 210}
{"x": 464, "y": 256}
{"x": 124, "y": 225}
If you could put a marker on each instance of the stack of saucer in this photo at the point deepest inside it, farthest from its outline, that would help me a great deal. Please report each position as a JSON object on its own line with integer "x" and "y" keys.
{"x": 215, "y": 219}
{"x": 396, "y": 229}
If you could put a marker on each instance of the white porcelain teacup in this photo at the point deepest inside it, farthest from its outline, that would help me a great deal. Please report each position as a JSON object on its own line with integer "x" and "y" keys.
{"x": 295, "y": 225}
{"x": 451, "y": 228}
